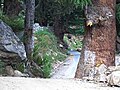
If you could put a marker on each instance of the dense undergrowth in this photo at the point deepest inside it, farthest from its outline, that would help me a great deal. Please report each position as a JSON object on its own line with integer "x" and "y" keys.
{"x": 74, "y": 43}
{"x": 16, "y": 23}
{"x": 46, "y": 51}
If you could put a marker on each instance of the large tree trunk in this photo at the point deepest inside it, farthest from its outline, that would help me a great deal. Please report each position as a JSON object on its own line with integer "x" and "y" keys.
{"x": 100, "y": 38}
{"x": 12, "y": 7}
{"x": 28, "y": 33}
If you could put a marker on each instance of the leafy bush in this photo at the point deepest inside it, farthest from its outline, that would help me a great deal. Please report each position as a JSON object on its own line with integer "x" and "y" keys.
{"x": 74, "y": 43}
{"x": 16, "y": 23}
{"x": 46, "y": 51}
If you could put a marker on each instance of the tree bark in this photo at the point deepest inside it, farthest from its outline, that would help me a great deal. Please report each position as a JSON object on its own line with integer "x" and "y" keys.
{"x": 29, "y": 21}
{"x": 28, "y": 33}
{"x": 100, "y": 38}
{"x": 0, "y": 4}
{"x": 58, "y": 28}
{"x": 12, "y": 7}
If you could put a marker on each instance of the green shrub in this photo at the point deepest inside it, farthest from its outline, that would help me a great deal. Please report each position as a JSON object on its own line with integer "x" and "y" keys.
{"x": 20, "y": 66}
{"x": 46, "y": 65}
{"x": 46, "y": 51}
{"x": 16, "y": 23}
{"x": 73, "y": 44}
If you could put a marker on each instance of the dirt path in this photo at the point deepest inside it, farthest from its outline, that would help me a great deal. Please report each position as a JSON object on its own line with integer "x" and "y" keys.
{"x": 17, "y": 83}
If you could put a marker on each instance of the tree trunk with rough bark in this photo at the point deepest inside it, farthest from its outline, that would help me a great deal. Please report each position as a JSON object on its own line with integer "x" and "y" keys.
{"x": 58, "y": 28}
{"x": 100, "y": 36}
{"x": 28, "y": 33}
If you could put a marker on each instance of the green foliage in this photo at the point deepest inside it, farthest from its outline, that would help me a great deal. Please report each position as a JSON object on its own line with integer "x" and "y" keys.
{"x": 46, "y": 51}
{"x": 74, "y": 44}
{"x": 48, "y": 9}
{"x": 76, "y": 22}
{"x": 82, "y": 3}
{"x": 20, "y": 66}
{"x": 76, "y": 26}
{"x": 118, "y": 19}
{"x": 16, "y": 23}
{"x": 118, "y": 12}
{"x": 47, "y": 65}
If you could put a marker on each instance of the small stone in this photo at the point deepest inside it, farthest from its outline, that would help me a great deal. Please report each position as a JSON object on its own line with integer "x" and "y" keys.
{"x": 18, "y": 73}
{"x": 100, "y": 73}
{"x": 9, "y": 71}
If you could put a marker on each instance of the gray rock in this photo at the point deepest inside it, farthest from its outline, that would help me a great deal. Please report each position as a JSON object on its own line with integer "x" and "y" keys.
{"x": 11, "y": 48}
{"x": 15, "y": 73}
{"x": 9, "y": 71}
{"x": 117, "y": 60}
{"x": 19, "y": 34}
{"x": 19, "y": 74}
{"x": 114, "y": 78}
{"x": 101, "y": 72}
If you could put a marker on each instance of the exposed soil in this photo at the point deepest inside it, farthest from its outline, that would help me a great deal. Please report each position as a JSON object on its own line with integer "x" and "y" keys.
{"x": 17, "y": 83}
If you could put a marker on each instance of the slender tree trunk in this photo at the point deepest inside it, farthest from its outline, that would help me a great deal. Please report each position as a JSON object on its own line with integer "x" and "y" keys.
{"x": 0, "y": 4}
{"x": 28, "y": 33}
{"x": 100, "y": 38}
{"x": 58, "y": 28}
{"x": 12, "y": 7}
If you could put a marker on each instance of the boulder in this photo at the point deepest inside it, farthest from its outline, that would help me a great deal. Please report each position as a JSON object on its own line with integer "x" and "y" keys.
{"x": 113, "y": 79}
{"x": 11, "y": 48}
{"x": 113, "y": 75}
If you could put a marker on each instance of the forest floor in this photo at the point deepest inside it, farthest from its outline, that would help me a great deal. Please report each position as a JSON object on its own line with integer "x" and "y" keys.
{"x": 62, "y": 79}
{"x": 21, "y": 83}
